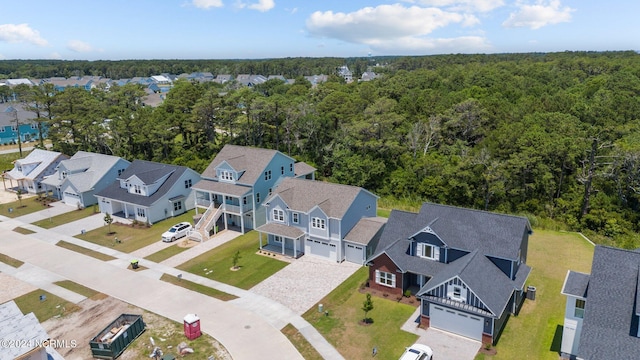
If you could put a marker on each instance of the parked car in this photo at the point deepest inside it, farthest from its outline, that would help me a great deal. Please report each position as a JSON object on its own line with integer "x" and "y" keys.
{"x": 417, "y": 352}
{"x": 177, "y": 231}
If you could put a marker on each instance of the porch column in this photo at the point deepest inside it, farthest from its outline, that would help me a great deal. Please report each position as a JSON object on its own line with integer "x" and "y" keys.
{"x": 295, "y": 248}
{"x": 225, "y": 219}
{"x": 241, "y": 214}
{"x": 260, "y": 235}
{"x": 284, "y": 241}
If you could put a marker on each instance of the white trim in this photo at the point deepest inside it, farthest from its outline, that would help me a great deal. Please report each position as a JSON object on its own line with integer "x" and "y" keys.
{"x": 379, "y": 278}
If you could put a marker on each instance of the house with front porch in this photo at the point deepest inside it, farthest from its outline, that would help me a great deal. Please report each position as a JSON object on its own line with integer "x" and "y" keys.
{"x": 29, "y": 172}
{"x": 77, "y": 179}
{"x": 467, "y": 267}
{"x": 333, "y": 221}
{"x": 602, "y": 310}
{"x": 237, "y": 182}
{"x": 149, "y": 192}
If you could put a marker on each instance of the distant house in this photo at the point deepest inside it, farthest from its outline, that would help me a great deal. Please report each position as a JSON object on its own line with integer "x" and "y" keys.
{"x": 77, "y": 179}
{"x": 223, "y": 78}
{"x": 18, "y": 328}
{"x": 333, "y": 221}
{"x": 26, "y": 127}
{"x": 467, "y": 267}
{"x": 237, "y": 181}
{"x": 345, "y": 73}
{"x": 33, "y": 169}
{"x": 602, "y": 311}
{"x": 149, "y": 192}
{"x": 368, "y": 76}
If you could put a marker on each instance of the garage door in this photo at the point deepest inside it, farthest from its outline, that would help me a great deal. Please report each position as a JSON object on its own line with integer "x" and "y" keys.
{"x": 322, "y": 249}
{"x": 70, "y": 198}
{"x": 456, "y": 322}
{"x": 354, "y": 254}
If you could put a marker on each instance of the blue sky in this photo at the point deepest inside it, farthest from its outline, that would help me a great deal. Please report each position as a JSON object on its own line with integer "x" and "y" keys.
{"x": 253, "y": 29}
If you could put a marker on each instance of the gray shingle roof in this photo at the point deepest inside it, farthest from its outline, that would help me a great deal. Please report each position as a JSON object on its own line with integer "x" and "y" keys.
{"x": 221, "y": 187}
{"x": 303, "y": 195}
{"x": 43, "y": 158}
{"x": 148, "y": 172}
{"x": 576, "y": 284}
{"x": 365, "y": 230}
{"x": 609, "y": 325}
{"x": 95, "y": 167}
{"x": 302, "y": 168}
{"x": 282, "y": 230}
{"x": 253, "y": 161}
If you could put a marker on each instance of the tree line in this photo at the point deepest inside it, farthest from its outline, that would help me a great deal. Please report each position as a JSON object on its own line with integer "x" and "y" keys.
{"x": 551, "y": 136}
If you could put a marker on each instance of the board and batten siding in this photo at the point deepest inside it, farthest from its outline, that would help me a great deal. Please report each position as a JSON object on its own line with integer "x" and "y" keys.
{"x": 471, "y": 299}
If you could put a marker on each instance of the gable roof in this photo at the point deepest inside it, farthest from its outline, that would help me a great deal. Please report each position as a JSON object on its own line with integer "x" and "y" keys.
{"x": 575, "y": 284}
{"x": 148, "y": 172}
{"x": 43, "y": 158}
{"x": 365, "y": 230}
{"x": 302, "y": 168}
{"x": 95, "y": 166}
{"x": 303, "y": 195}
{"x": 253, "y": 161}
{"x": 609, "y": 314}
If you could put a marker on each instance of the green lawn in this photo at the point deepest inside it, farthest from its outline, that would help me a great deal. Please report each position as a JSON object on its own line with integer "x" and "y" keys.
{"x": 85, "y": 251}
{"x": 216, "y": 264}
{"x": 66, "y": 218}
{"x": 6, "y": 160}
{"x": 342, "y": 327}
{"x": 307, "y": 351}
{"x": 77, "y": 288}
{"x": 10, "y": 261}
{"x": 44, "y": 309}
{"x": 23, "y": 231}
{"x": 22, "y": 207}
{"x": 205, "y": 290}
{"x": 133, "y": 238}
{"x": 166, "y": 253}
{"x": 536, "y": 332}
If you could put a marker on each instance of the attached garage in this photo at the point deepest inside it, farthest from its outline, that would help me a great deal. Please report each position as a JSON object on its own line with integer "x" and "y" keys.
{"x": 456, "y": 322}
{"x": 354, "y": 253}
{"x": 71, "y": 198}
{"x": 321, "y": 248}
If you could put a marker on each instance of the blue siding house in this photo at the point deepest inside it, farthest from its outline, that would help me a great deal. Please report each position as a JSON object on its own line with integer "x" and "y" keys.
{"x": 28, "y": 127}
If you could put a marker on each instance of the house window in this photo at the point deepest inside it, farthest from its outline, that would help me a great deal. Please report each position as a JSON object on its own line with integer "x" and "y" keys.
{"x": 64, "y": 174}
{"x": 428, "y": 251}
{"x": 14, "y": 128}
{"x": 226, "y": 175}
{"x": 141, "y": 212}
{"x": 317, "y": 223}
{"x": 177, "y": 205}
{"x": 137, "y": 189}
{"x": 278, "y": 215}
{"x": 270, "y": 191}
{"x": 294, "y": 218}
{"x": 258, "y": 198}
{"x": 244, "y": 200}
{"x": 187, "y": 183}
{"x": 120, "y": 171}
{"x": 385, "y": 278}
{"x": 278, "y": 239}
{"x": 34, "y": 126}
{"x": 267, "y": 175}
{"x": 579, "y": 311}
{"x": 291, "y": 167}
{"x": 282, "y": 170}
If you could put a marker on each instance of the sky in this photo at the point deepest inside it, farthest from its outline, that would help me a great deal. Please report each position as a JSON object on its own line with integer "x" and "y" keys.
{"x": 259, "y": 29}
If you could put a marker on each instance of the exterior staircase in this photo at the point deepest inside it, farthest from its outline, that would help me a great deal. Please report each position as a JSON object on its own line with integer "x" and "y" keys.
{"x": 201, "y": 231}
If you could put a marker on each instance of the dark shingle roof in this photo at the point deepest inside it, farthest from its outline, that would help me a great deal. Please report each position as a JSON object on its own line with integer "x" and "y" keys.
{"x": 608, "y": 328}
{"x": 148, "y": 172}
{"x": 576, "y": 284}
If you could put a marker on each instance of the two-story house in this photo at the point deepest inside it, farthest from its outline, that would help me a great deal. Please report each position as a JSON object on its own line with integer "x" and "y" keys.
{"x": 18, "y": 123}
{"x": 467, "y": 267}
{"x": 77, "y": 179}
{"x": 237, "y": 181}
{"x": 33, "y": 169}
{"x": 149, "y": 192}
{"x": 602, "y": 311}
{"x": 323, "y": 219}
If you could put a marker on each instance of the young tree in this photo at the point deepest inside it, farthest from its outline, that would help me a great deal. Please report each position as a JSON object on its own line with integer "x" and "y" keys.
{"x": 19, "y": 195}
{"x": 367, "y": 306}
{"x": 236, "y": 258}
{"x": 108, "y": 220}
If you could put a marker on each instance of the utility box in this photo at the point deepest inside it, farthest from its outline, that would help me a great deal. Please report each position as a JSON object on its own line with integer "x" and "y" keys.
{"x": 114, "y": 339}
{"x": 192, "y": 326}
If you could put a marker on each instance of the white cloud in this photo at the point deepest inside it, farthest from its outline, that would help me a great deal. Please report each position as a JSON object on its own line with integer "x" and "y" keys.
{"x": 55, "y": 56}
{"x": 462, "y": 5}
{"x": 79, "y": 46}
{"x": 263, "y": 5}
{"x": 420, "y": 46}
{"x": 207, "y": 4}
{"x": 542, "y": 13}
{"x": 382, "y": 22}
{"x": 17, "y": 33}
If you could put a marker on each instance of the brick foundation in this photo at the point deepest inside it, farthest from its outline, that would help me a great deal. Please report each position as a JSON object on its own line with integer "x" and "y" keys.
{"x": 486, "y": 339}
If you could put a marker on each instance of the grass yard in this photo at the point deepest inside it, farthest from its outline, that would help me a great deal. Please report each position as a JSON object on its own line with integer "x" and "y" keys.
{"x": 85, "y": 251}
{"x": 10, "y": 261}
{"x": 45, "y": 309}
{"x": 6, "y": 160}
{"x": 307, "y": 351}
{"x": 25, "y": 206}
{"x": 536, "y": 332}
{"x": 166, "y": 253}
{"x": 23, "y": 231}
{"x": 216, "y": 264}
{"x": 133, "y": 238}
{"x": 77, "y": 288}
{"x": 66, "y": 218}
{"x": 205, "y": 290}
{"x": 342, "y": 327}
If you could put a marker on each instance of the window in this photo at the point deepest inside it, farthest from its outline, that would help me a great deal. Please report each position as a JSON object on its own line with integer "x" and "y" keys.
{"x": 428, "y": 251}
{"x": 291, "y": 167}
{"x": 2, "y": 129}
{"x": 278, "y": 215}
{"x": 34, "y": 126}
{"x": 187, "y": 183}
{"x": 385, "y": 278}
{"x": 258, "y": 198}
{"x": 282, "y": 170}
{"x": 120, "y": 171}
{"x": 141, "y": 212}
{"x": 267, "y": 175}
{"x": 14, "y": 128}
{"x": 177, "y": 206}
{"x": 579, "y": 311}
{"x": 278, "y": 239}
{"x": 137, "y": 189}
{"x": 270, "y": 191}
{"x": 226, "y": 175}
{"x": 294, "y": 218}
{"x": 317, "y": 223}
{"x": 244, "y": 200}
{"x": 64, "y": 174}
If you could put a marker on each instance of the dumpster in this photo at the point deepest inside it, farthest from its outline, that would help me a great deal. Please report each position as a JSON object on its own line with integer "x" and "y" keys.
{"x": 114, "y": 339}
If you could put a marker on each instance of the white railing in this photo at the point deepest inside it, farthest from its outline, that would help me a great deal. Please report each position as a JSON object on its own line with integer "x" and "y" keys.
{"x": 204, "y": 216}
{"x": 194, "y": 235}
{"x": 203, "y": 202}
{"x": 211, "y": 222}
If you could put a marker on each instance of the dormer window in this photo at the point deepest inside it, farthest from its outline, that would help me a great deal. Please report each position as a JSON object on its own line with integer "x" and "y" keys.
{"x": 137, "y": 189}
{"x": 428, "y": 251}
{"x": 278, "y": 215}
{"x": 457, "y": 293}
{"x": 226, "y": 175}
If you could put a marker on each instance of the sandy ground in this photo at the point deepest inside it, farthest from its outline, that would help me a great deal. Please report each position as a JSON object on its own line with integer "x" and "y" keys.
{"x": 9, "y": 196}
{"x": 13, "y": 288}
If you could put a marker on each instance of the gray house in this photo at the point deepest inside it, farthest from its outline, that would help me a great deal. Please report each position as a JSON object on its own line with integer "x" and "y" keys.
{"x": 30, "y": 171}
{"x": 467, "y": 267}
{"x": 333, "y": 221}
{"x": 603, "y": 308}
{"x": 237, "y": 181}
{"x": 149, "y": 192}
{"x": 77, "y": 179}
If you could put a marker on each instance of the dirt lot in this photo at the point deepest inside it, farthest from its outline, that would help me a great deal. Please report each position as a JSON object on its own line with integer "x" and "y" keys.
{"x": 99, "y": 311}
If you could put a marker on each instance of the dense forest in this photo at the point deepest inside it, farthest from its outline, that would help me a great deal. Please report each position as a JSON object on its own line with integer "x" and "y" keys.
{"x": 552, "y": 136}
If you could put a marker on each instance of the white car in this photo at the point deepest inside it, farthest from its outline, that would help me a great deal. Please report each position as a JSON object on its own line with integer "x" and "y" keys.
{"x": 177, "y": 231}
{"x": 417, "y": 352}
